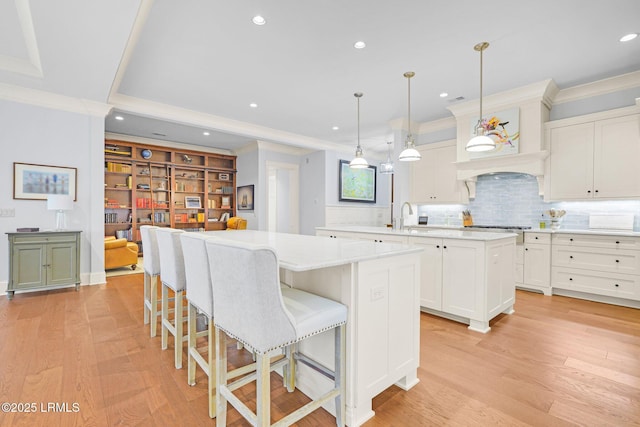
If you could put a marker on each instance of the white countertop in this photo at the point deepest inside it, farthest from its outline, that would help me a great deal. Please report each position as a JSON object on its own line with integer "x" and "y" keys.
{"x": 423, "y": 232}
{"x": 627, "y": 233}
{"x": 297, "y": 252}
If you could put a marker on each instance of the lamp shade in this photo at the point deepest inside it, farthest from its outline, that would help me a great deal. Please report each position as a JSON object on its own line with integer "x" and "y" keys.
{"x": 59, "y": 202}
{"x": 480, "y": 143}
{"x": 358, "y": 162}
{"x": 409, "y": 154}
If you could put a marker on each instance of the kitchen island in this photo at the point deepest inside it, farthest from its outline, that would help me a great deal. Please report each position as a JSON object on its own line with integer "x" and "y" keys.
{"x": 466, "y": 276}
{"x": 380, "y": 285}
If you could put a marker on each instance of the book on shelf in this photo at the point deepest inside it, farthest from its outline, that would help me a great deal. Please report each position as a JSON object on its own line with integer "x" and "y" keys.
{"x": 118, "y": 167}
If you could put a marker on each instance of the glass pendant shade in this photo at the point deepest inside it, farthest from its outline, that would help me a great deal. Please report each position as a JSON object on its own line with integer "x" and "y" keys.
{"x": 358, "y": 162}
{"x": 409, "y": 154}
{"x": 480, "y": 142}
{"x": 386, "y": 167}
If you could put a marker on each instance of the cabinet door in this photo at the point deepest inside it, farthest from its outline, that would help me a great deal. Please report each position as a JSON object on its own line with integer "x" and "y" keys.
{"x": 61, "y": 263}
{"x": 447, "y": 187}
{"x": 617, "y": 150}
{"x": 463, "y": 277}
{"x": 430, "y": 272}
{"x": 422, "y": 188}
{"x": 537, "y": 265}
{"x": 571, "y": 162}
{"x": 29, "y": 266}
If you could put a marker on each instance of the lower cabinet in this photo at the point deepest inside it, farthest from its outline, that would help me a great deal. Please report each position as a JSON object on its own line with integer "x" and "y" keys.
{"x": 469, "y": 279}
{"x": 43, "y": 260}
{"x": 537, "y": 262}
{"x": 606, "y": 265}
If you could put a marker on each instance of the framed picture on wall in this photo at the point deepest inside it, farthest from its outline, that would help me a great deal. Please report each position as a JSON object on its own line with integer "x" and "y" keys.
{"x": 245, "y": 198}
{"x": 357, "y": 185}
{"x": 36, "y": 182}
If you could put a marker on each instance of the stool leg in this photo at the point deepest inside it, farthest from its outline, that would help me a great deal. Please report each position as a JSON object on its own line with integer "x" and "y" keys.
{"x": 212, "y": 370}
{"x": 290, "y": 370}
{"x": 340, "y": 373}
{"x": 146, "y": 297}
{"x": 165, "y": 316}
{"x": 178, "y": 318}
{"x": 221, "y": 377}
{"x": 153, "y": 298}
{"x": 191, "y": 345}
{"x": 263, "y": 390}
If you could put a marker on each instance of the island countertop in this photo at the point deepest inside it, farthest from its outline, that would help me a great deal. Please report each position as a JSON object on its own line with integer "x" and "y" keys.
{"x": 297, "y": 252}
{"x": 422, "y": 232}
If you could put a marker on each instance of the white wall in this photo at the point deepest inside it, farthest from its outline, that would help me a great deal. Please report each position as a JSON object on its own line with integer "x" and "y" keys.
{"x": 312, "y": 192}
{"x": 248, "y": 174}
{"x": 37, "y": 135}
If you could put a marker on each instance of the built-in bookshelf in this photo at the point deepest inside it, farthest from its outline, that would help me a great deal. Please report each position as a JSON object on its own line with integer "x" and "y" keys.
{"x": 153, "y": 185}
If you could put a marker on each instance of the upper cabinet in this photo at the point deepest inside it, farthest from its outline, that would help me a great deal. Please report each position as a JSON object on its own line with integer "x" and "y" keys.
{"x": 434, "y": 177}
{"x": 593, "y": 159}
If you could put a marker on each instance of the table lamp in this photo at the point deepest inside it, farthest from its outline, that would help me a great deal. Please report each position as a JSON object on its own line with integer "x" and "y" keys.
{"x": 60, "y": 203}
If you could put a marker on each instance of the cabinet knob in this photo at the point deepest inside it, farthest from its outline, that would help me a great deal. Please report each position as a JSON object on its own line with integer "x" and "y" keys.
{"x": 536, "y": 237}
{"x": 438, "y": 246}
{"x": 617, "y": 242}
{"x": 526, "y": 249}
{"x": 617, "y": 260}
{"x": 596, "y": 191}
{"x": 588, "y": 191}
{"x": 570, "y": 256}
{"x": 444, "y": 247}
{"x": 570, "y": 278}
{"x": 571, "y": 239}
{"x": 617, "y": 285}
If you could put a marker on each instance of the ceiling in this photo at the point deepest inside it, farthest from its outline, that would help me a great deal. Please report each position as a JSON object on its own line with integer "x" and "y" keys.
{"x": 179, "y": 68}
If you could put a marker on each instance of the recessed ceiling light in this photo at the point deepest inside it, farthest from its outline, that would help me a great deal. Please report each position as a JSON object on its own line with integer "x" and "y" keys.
{"x": 205, "y": 133}
{"x": 335, "y": 128}
{"x": 119, "y": 118}
{"x": 628, "y": 37}
{"x": 444, "y": 95}
{"x": 360, "y": 45}
{"x": 259, "y": 20}
{"x": 253, "y": 105}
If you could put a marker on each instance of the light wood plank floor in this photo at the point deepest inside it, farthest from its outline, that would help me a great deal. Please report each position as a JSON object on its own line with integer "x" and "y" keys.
{"x": 557, "y": 361}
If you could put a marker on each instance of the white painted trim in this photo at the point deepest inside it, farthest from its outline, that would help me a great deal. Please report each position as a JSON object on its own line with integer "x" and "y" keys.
{"x": 544, "y": 91}
{"x": 294, "y": 198}
{"x": 33, "y": 66}
{"x": 163, "y": 143}
{"x": 161, "y": 111}
{"x": 436, "y": 125}
{"x": 286, "y": 149}
{"x": 136, "y": 30}
{"x": 601, "y": 115}
{"x": 52, "y": 100}
{"x": 600, "y": 87}
{"x": 252, "y": 146}
{"x": 95, "y": 278}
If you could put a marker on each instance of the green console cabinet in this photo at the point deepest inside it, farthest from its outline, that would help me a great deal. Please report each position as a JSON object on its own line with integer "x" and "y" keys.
{"x": 43, "y": 260}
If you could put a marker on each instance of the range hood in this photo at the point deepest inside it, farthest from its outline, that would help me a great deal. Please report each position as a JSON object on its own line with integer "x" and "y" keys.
{"x": 533, "y": 103}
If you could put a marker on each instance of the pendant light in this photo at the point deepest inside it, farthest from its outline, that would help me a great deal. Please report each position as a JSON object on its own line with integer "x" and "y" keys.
{"x": 386, "y": 167}
{"x": 480, "y": 142}
{"x": 358, "y": 161}
{"x": 409, "y": 154}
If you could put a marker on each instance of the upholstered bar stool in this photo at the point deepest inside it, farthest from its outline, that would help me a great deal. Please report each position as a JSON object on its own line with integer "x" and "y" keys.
{"x": 173, "y": 277}
{"x": 199, "y": 298}
{"x": 151, "y": 261}
{"x": 250, "y": 306}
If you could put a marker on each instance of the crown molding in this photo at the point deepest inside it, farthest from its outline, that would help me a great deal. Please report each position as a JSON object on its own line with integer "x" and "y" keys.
{"x": 543, "y": 91}
{"x": 161, "y": 111}
{"x": 285, "y": 149}
{"x": 32, "y": 66}
{"x": 437, "y": 125}
{"x": 53, "y": 100}
{"x": 600, "y": 87}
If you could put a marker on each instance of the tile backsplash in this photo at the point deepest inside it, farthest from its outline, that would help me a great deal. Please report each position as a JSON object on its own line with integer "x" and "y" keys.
{"x": 512, "y": 199}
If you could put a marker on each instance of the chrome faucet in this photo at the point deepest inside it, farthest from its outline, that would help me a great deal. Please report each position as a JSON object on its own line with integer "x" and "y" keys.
{"x": 401, "y": 219}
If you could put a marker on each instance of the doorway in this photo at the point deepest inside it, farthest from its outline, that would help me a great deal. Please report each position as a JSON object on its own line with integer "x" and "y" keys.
{"x": 282, "y": 197}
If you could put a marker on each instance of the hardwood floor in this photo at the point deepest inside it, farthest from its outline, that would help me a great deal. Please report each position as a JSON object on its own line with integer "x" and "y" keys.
{"x": 557, "y": 361}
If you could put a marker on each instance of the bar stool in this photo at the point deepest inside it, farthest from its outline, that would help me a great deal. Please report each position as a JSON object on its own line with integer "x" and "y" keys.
{"x": 173, "y": 277}
{"x": 199, "y": 298}
{"x": 151, "y": 261}
{"x": 251, "y": 306}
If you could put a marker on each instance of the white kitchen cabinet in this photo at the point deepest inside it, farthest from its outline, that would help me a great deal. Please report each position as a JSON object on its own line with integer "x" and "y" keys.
{"x": 537, "y": 262}
{"x": 593, "y": 159}
{"x": 606, "y": 265}
{"x": 467, "y": 280}
{"x": 378, "y": 238}
{"x": 434, "y": 176}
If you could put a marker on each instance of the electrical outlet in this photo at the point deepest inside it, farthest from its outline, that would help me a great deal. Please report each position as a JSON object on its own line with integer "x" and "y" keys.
{"x": 377, "y": 293}
{"x": 7, "y": 213}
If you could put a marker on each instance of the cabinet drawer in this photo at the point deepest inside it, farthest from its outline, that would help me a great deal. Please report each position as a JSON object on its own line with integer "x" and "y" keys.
{"x": 597, "y": 241}
{"x": 46, "y": 238}
{"x": 606, "y": 260}
{"x": 537, "y": 238}
{"x": 609, "y": 284}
